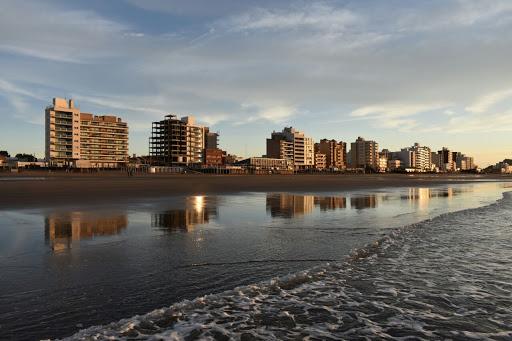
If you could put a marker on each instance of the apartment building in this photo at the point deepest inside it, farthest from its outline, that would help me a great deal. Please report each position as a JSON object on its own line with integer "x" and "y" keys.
{"x": 292, "y": 145}
{"x": 83, "y": 140}
{"x": 364, "y": 154}
{"x": 320, "y": 161}
{"x": 464, "y": 162}
{"x": 103, "y": 141}
{"x": 445, "y": 160}
{"x": 336, "y": 153}
{"x": 176, "y": 142}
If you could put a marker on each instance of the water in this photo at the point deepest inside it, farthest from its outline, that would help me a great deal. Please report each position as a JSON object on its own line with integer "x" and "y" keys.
{"x": 68, "y": 268}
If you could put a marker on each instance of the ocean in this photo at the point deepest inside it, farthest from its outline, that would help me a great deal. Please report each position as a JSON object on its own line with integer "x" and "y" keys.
{"x": 407, "y": 263}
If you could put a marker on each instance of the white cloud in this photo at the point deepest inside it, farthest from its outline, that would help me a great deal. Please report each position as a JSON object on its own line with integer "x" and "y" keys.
{"x": 486, "y": 102}
{"x": 394, "y": 110}
{"x": 315, "y": 16}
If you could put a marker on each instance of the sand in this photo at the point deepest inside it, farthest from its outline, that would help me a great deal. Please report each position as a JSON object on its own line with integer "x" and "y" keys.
{"x": 41, "y": 189}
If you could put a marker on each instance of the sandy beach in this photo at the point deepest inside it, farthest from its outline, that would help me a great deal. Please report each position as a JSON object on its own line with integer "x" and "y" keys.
{"x": 38, "y": 189}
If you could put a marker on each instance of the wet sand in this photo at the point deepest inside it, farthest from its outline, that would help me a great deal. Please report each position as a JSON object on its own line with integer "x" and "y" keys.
{"x": 41, "y": 189}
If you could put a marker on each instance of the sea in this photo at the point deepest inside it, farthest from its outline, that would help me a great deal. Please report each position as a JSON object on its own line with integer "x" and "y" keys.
{"x": 416, "y": 263}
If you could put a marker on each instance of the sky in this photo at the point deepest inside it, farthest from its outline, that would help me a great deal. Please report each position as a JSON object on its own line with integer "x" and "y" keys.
{"x": 437, "y": 72}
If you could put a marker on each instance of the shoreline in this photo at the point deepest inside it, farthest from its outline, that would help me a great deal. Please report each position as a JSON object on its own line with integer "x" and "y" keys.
{"x": 41, "y": 189}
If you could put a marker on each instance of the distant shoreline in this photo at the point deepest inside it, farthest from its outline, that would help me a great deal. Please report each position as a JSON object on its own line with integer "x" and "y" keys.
{"x": 42, "y": 189}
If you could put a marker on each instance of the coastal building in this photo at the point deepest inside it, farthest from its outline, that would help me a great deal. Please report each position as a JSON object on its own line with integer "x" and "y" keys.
{"x": 177, "y": 142}
{"x": 445, "y": 160}
{"x": 335, "y": 152}
{"x": 83, "y": 140}
{"x": 214, "y": 157}
{"x": 320, "y": 161}
{"x": 394, "y": 165}
{"x": 292, "y": 145}
{"x": 383, "y": 164}
{"x": 422, "y": 158}
{"x": 463, "y": 162}
{"x": 364, "y": 154}
{"x": 265, "y": 163}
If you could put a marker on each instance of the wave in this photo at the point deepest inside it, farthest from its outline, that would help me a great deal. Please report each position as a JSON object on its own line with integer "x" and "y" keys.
{"x": 395, "y": 287}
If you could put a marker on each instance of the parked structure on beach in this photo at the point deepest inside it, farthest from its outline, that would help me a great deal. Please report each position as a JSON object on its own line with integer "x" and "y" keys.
{"x": 83, "y": 140}
{"x": 177, "y": 142}
{"x": 292, "y": 145}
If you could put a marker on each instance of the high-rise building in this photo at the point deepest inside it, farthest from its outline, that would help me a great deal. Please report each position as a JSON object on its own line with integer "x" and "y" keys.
{"x": 84, "y": 140}
{"x": 336, "y": 153}
{"x": 292, "y": 145}
{"x": 446, "y": 162}
{"x": 176, "y": 142}
{"x": 320, "y": 161}
{"x": 423, "y": 158}
{"x": 464, "y": 162}
{"x": 211, "y": 140}
{"x": 364, "y": 154}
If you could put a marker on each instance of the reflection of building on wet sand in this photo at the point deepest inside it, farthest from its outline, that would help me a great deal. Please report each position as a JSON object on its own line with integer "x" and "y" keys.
{"x": 198, "y": 210}
{"x": 62, "y": 229}
{"x": 289, "y": 205}
{"x": 367, "y": 201}
{"x": 330, "y": 203}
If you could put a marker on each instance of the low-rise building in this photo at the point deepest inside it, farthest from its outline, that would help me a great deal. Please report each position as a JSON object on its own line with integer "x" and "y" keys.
{"x": 265, "y": 163}
{"x": 214, "y": 157}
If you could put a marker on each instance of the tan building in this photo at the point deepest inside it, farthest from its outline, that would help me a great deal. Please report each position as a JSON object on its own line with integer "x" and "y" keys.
{"x": 83, "y": 140}
{"x": 177, "y": 142}
{"x": 364, "y": 154}
{"x": 292, "y": 145}
{"x": 320, "y": 161}
{"x": 265, "y": 163}
{"x": 336, "y": 153}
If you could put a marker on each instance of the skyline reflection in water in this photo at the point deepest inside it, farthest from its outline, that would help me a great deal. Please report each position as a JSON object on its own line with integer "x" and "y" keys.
{"x": 199, "y": 210}
{"x": 62, "y": 230}
{"x": 112, "y": 262}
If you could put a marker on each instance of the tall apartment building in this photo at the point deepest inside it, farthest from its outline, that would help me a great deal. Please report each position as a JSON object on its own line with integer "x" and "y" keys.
{"x": 446, "y": 162}
{"x": 176, "y": 142}
{"x": 364, "y": 154}
{"x": 423, "y": 157}
{"x": 292, "y": 145}
{"x": 464, "y": 162}
{"x": 84, "y": 140}
{"x": 336, "y": 153}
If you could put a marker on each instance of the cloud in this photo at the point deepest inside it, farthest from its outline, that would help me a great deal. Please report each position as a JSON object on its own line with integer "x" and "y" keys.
{"x": 315, "y": 17}
{"x": 48, "y": 32}
{"x": 394, "y": 110}
{"x": 487, "y": 101}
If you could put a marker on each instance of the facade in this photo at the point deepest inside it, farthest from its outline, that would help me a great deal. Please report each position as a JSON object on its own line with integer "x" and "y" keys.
{"x": 335, "y": 152}
{"x": 103, "y": 141}
{"x": 394, "y": 165}
{"x": 211, "y": 140}
{"x": 176, "y": 142}
{"x": 320, "y": 161}
{"x": 292, "y": 145}
{"x": 364, "y": 154}
{"x": 463, "y": 162}
{"x": 446, "y": 162}
{"x": 265, "y": 163}
{"x": 422, "y": 157}
{"x": 82, "y": 139}
{"x": 383, "y": 163}
{"x": 214, "y": 157}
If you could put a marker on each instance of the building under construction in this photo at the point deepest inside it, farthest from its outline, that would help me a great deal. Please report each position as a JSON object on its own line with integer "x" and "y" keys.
{"x": 176, "y": 142}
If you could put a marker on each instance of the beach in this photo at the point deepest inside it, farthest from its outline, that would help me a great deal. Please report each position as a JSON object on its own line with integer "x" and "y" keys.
{"x": 41, "y": 189}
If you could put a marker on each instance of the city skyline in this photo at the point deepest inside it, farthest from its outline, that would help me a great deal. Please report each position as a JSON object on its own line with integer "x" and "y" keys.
{"x": 434, "y": 72}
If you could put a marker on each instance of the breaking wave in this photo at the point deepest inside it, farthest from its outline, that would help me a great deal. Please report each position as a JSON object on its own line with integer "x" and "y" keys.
{"x": 447, "y": 277}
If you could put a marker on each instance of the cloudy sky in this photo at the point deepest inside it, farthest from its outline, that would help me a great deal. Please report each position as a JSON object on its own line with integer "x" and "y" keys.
{"x": 398, "y": 72}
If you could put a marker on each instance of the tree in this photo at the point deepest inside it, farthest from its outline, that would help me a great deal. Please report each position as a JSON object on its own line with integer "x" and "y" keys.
{"x": 4, "y": 153}
{"x": 26, "y": 157}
